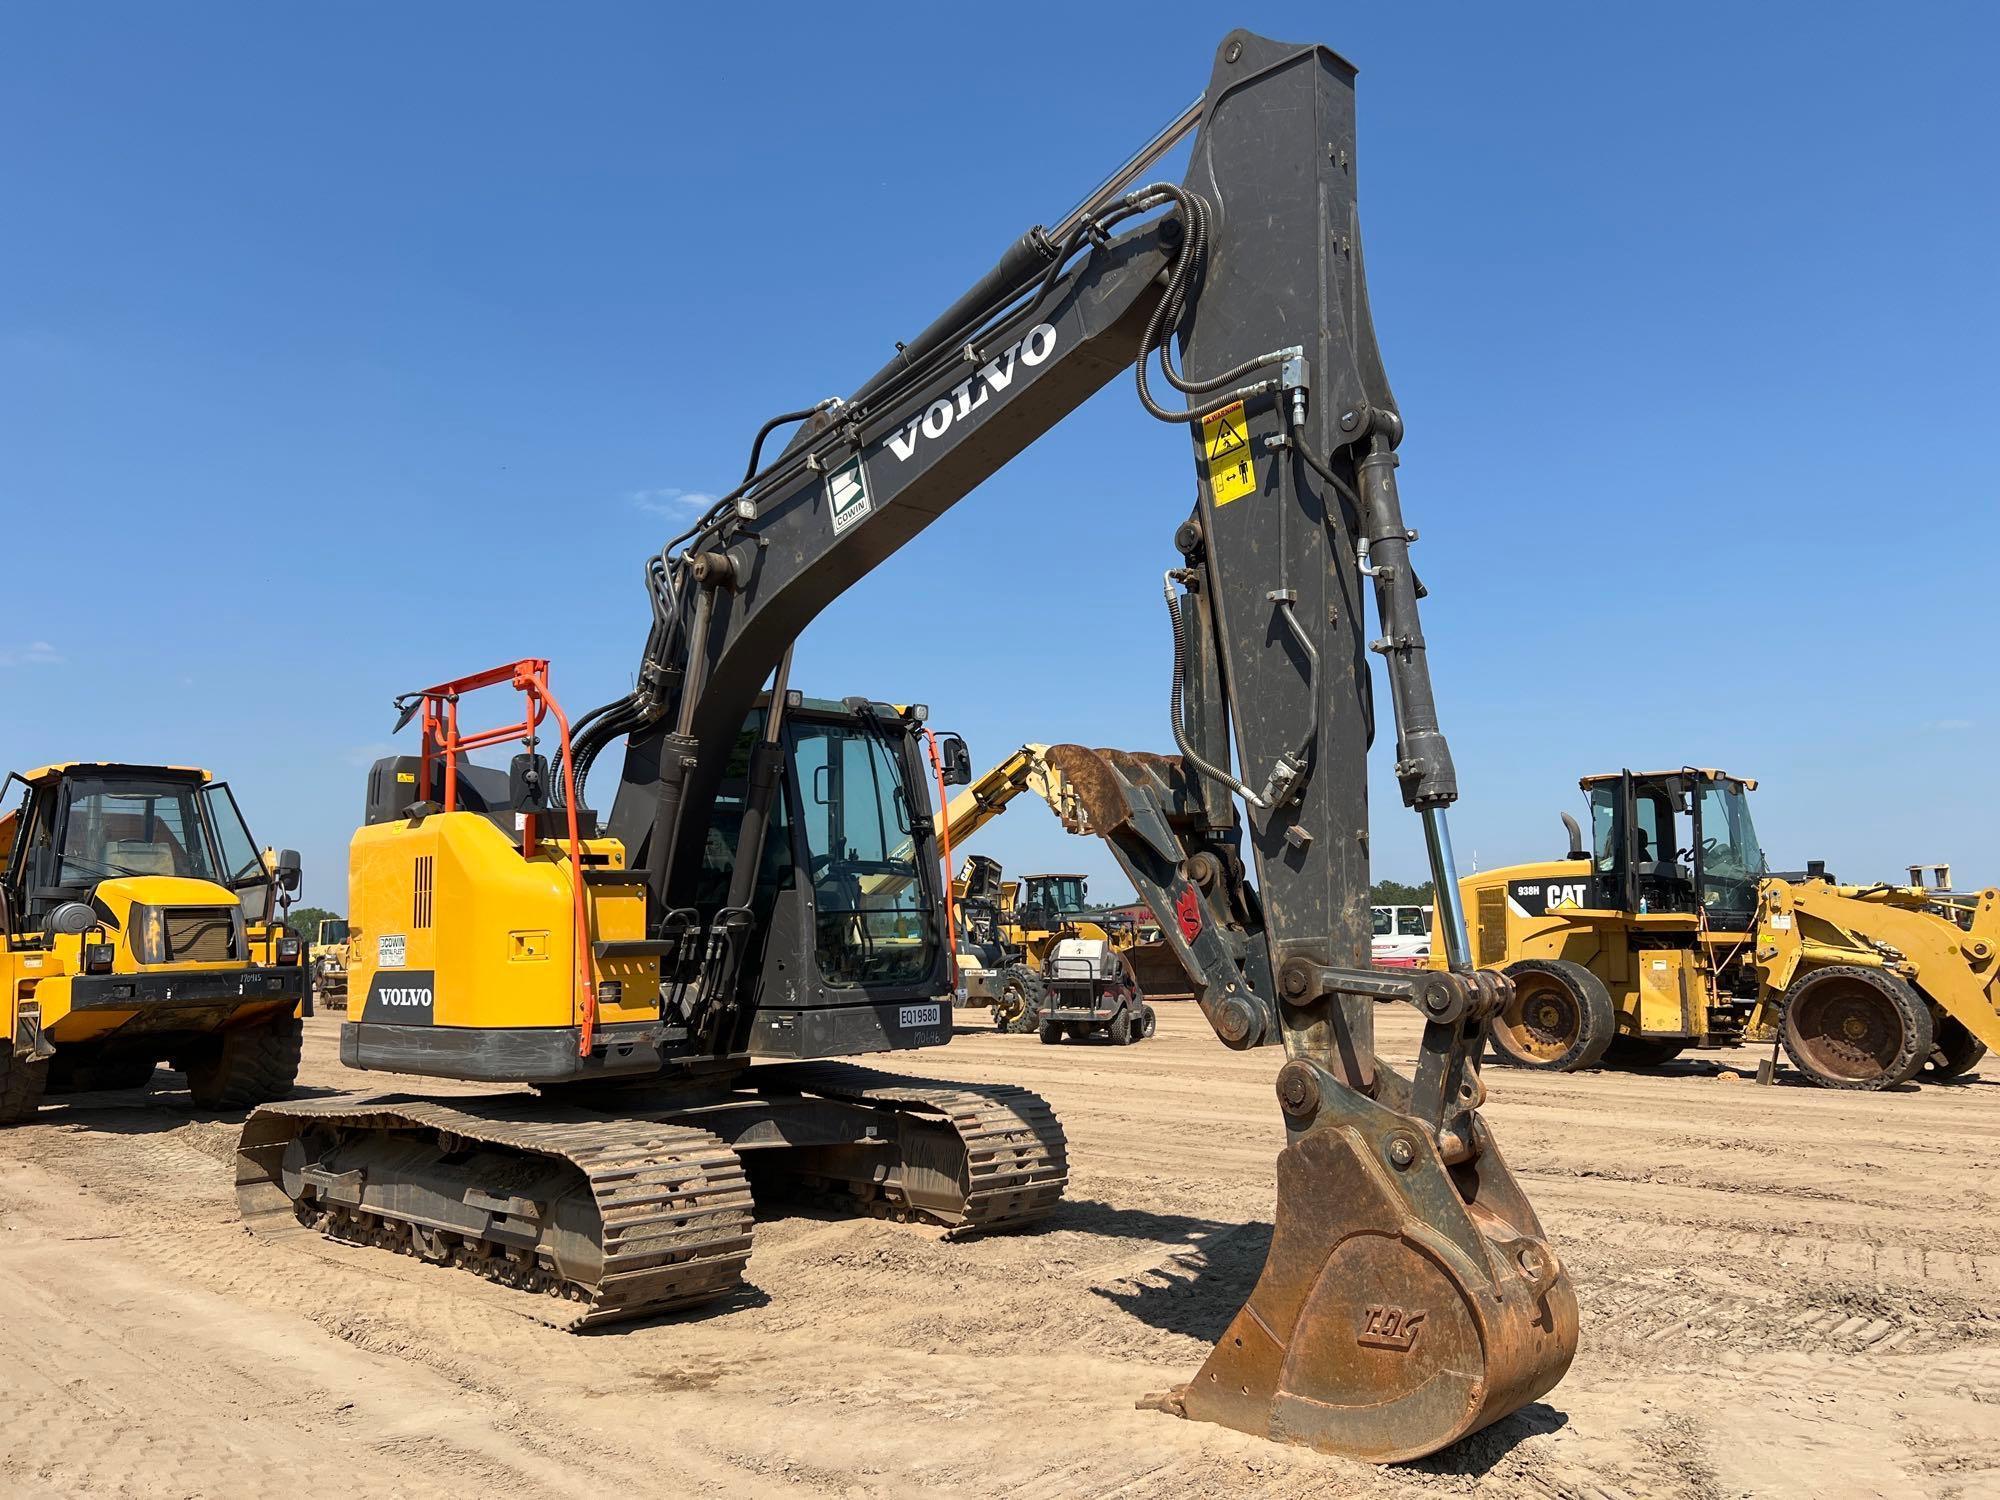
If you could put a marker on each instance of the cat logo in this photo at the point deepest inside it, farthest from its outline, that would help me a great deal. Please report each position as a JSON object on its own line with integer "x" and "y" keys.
{"x": 1537, "y": 898}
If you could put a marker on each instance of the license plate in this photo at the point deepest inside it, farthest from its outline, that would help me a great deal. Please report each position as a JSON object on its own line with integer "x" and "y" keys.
{"x": 917, "y": 1015}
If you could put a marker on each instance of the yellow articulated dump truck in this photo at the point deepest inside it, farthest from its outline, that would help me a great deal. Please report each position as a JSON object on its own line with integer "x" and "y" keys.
{"x": 1668, "y": 932}
{"x": 141, "y": 926}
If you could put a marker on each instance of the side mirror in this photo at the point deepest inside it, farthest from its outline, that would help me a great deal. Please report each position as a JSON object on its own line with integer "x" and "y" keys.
{"x": 287, "y": 870}
{"x": 528, "y": 782}
{"x": 956, "y": 760}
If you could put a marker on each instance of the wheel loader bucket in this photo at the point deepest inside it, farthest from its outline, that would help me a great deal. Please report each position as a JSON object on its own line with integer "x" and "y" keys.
{"x": 1405, "y": 1303}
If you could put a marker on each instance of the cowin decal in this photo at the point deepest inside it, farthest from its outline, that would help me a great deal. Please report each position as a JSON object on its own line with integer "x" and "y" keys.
{"x": 847, "y": 494}
{"x": 1537, "y": 898}
{"x": 965, "y": 398}
{"x": 401, "y": 997}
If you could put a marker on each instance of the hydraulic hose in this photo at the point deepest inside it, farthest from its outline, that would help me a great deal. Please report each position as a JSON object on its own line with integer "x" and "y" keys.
{"x": 1188, "y": 754}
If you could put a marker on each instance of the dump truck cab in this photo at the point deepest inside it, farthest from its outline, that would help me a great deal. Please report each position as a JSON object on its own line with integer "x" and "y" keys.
{"x": 142, "y": 925}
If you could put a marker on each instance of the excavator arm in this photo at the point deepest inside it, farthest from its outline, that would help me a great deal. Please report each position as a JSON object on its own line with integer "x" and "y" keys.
{"x": 1410, "y": 1296}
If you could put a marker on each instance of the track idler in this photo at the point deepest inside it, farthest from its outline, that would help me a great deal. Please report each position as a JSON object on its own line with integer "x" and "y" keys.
{"x": 1410, "y": 1297}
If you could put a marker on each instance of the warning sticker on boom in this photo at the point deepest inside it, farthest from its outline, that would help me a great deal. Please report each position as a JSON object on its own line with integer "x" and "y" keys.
{"x": 1225, "y": 444}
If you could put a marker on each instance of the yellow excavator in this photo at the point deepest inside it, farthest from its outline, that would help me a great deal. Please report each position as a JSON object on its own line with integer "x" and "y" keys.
{"x": 680, "y": 982}
{"x": 139, "y": 924}
{"x": 1667, "y": 931}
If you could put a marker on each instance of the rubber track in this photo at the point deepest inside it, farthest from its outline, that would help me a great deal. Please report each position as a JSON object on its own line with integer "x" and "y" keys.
{"x": 673, "y": 1200}
{"x": 1016, "y": 1154}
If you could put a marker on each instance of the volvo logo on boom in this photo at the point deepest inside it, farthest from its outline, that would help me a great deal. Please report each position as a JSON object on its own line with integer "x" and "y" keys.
{"x": 1029, "y": 350}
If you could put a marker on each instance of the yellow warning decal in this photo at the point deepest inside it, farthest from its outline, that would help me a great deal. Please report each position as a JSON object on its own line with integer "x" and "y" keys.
{"x": 1225, "y": 442}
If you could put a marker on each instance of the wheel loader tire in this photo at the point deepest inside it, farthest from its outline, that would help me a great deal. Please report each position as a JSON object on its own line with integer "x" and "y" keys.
{"x": 1019, "y": 1008}
{"x": 1560, "y": 1020}
{"x": 1052, "y": 1033}
{"x": 1956, "y": 1054}
{"x": 22, "y": 1081}
{"x": 1643, "y": 1051}
{"x": 1120, "y": 1029}
{"x": 1149, "y": 1022}
{"x": 1848, "y": 1027}
{"x": 257, "y": 1065}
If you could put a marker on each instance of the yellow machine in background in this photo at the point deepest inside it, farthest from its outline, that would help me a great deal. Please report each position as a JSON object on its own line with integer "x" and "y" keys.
{"x": 329, "y": 960}
{"x": 1006, "y": 929}
{"x": 141, "y": 925}
{"x": 1668, "y": 933}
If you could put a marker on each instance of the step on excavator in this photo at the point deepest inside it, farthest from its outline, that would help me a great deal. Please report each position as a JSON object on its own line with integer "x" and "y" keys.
{"x": 678, "y": 981}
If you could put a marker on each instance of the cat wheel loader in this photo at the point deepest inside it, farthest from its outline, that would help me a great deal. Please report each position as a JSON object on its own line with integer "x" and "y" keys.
{"x": 681, "y": 980}
{"x": 1669, "y": 932}
{"x": 141, "y": 925}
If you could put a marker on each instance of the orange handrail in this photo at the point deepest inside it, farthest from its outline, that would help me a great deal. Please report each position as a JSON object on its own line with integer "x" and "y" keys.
{"x": 442, "y": 739}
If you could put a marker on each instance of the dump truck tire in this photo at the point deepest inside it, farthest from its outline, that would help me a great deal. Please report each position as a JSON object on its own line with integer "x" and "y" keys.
{"x": 1956, "y": 1054}
{"x": 1643, "y": 1051}
{"x": 1560, "y": 1019}
{"x": 22, "y": 1081}
{"x": 1849, "y": 1027}
{"x": 256, "y": 1065}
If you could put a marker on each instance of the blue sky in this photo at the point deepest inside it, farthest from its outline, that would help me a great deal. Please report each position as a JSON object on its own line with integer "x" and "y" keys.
{"x": 346, "y": 349}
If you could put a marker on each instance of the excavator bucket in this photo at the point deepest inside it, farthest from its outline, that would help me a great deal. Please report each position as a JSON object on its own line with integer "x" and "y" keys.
{"x": 1410, "y": 1296}
{"x": 1394, "y": 1314}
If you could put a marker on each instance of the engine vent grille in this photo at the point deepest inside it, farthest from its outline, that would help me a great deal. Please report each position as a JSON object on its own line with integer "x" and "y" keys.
{"x": 1492, "y": 920}
{"x": 421, "y": 915}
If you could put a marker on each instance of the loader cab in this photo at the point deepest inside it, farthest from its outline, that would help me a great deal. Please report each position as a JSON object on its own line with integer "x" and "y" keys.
{"x": 1675, "y": 841}
{"x": 1046, "y": 900}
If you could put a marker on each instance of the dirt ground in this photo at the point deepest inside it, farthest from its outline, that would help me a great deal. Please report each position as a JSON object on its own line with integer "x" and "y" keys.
{"x": 1784, "y": 1291}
